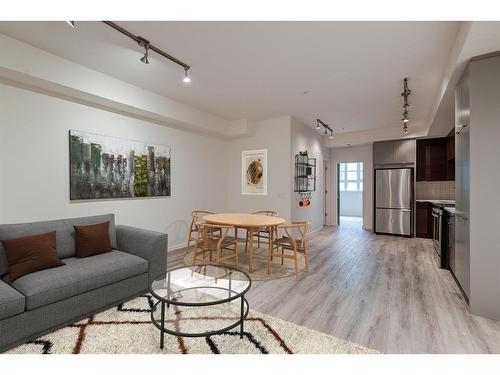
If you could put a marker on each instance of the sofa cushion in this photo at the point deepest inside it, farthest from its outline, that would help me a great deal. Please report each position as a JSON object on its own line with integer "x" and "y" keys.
{"x": 11, "y": 301}
{"x": 30, "y": 254}
{"x": 77, "y": 276}
{"x": 92, "y": 239}
{"x": 64, "y": 234}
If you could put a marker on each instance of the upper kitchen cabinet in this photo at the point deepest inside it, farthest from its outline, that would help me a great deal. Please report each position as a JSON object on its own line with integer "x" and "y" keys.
{"x": 450, "y": 156}
{"x": 433, "y": 160}
{"x": 400, "y": 152}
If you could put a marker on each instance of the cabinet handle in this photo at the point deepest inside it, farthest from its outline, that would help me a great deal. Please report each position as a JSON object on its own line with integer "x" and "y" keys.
{"x": 460, "y": 128}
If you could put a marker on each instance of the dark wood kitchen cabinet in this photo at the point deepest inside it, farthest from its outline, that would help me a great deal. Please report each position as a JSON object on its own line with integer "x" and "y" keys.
{"x": 432, "y": 160}
{"x": 450, "y": 156}
{"x": 424, "y": 220}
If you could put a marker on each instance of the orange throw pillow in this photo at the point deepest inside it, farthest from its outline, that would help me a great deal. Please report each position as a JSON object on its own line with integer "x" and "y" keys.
{"x": 92, "y": 239}
{"x": 30, "y": 254}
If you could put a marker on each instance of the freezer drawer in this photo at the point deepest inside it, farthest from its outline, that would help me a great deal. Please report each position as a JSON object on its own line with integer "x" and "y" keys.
{"x": 393, "y": 221}
{"x": 393, "y": 188}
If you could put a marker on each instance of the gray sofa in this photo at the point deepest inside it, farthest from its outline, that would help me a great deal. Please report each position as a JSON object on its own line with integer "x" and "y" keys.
{"x": 43, "y": 301}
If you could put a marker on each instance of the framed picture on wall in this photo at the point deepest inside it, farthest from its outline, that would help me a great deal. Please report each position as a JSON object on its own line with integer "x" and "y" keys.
{"x": 254, "y": 172}
{"x": 104, "y": 167}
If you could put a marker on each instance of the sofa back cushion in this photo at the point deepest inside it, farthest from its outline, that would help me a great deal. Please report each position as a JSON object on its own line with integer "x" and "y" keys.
{"x": 92, "y": 239}
{"x": 30, "y": 254}
{"x": 65, "y": 234}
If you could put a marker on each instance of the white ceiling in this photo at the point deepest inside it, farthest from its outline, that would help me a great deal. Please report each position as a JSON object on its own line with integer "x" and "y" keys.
{"x": 352, "y": 71}
{"x": 480, "y": 38}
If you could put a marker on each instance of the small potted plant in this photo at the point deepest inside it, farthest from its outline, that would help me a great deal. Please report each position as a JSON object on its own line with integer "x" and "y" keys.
{"x": 303, "y": 157}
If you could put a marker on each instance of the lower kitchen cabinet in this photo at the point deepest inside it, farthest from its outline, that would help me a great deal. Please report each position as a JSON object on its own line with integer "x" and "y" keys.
{"x": 424, "y": 220}
{"x": 457, "y": 259}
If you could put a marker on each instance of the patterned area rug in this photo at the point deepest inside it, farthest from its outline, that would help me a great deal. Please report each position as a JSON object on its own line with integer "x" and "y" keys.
{"x": 127, "y": 329}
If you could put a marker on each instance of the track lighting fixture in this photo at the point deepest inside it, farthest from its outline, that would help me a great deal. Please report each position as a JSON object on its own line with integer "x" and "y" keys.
{"x": 71, "y": 23}
{"x": 186, "y": 76}
{"x": 405, "y": 116}
{"x": 405, "y": 94}
{"x": 148, "y": 46}
{"x": 327, "y": 128}
{"x": 144, "y": 59}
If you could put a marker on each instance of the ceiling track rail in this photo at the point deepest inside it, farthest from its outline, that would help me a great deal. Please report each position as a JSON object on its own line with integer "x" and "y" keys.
{"x": 144, "y": 42}
{"x": 326, "y": 126}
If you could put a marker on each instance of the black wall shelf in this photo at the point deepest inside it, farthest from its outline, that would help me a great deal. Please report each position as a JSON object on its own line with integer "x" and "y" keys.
{"x": 305, "y": 174}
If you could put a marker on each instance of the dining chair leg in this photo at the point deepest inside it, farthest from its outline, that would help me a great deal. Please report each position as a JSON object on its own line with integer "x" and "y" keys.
{"x": 195, "y": 252}
{"x": 246, "y": 243}
{"x": 218, "y": 251}
{"x": 282, "y": 253}
{"x": 236, "y": 257}
{"x": 305, "y": 258}
{"x": 189, "y": 243}
{"x": 296, "y": 264}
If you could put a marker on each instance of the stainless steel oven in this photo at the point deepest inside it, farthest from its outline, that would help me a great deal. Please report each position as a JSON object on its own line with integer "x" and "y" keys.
{"x": 437, "y": 228}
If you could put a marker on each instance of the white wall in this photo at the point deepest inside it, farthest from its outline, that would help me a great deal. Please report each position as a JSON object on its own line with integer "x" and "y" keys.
{"x": 306, "y": 138}
{"x": 351, "y": 203}
{"x": 34, "y": 178}
{"x": 362, "y": 154}
{"x": 273, "y": 135}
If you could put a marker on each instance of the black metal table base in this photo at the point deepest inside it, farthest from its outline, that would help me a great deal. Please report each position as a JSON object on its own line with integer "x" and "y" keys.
{"x": 161, "y": 324}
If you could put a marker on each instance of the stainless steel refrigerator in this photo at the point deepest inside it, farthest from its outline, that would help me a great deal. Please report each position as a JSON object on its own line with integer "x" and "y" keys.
{"x": 393, "y": 201}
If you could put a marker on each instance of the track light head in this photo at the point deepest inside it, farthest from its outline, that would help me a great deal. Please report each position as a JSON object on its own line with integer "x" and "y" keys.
{"x": 144, "y": 58}
{"x": 325, "y": 133}
{"x": 331, "y": 135}
{"x": 318, "y": 126}
{"x": 71, "y": 23}
{"x": 186, "y": 78}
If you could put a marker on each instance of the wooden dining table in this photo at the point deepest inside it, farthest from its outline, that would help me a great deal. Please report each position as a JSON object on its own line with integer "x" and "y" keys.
{"x": 251, "y": 223}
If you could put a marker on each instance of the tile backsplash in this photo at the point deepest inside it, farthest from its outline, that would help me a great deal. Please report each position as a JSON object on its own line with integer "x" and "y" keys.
{"x": 435, "y": 190}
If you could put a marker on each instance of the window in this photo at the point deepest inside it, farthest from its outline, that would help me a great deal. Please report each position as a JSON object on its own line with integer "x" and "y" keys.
{"x": 351, "y": 176}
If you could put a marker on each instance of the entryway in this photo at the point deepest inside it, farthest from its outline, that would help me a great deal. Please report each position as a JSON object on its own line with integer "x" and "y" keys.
{"x": 350, "y": 193}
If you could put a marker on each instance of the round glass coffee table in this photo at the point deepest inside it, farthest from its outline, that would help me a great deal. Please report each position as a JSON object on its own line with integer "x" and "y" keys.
{"x": 200, "y": 300}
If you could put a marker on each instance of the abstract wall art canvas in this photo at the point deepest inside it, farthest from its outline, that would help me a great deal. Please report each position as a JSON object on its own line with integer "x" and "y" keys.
{"x": 103, "y": 167}
{"x": 254, "y": 172}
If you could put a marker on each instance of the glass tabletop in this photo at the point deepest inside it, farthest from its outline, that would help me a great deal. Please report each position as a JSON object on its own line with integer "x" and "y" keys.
{"x": 201, "y": 285}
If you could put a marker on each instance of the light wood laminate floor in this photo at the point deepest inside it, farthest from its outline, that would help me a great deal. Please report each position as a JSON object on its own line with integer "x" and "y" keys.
{"x": 383, "y": 292}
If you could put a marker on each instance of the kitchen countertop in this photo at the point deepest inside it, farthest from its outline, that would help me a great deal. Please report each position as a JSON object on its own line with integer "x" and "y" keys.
{"x": 450, "y": 210}
{"x": 437, "y": 201}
